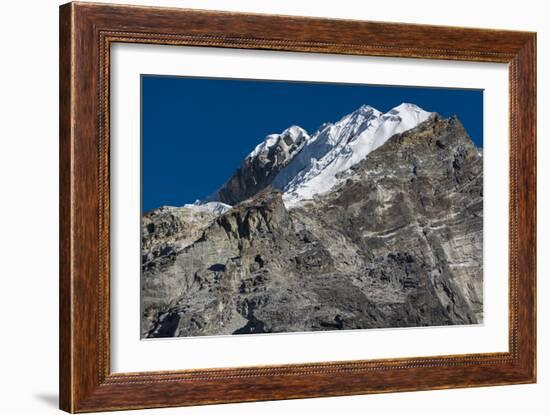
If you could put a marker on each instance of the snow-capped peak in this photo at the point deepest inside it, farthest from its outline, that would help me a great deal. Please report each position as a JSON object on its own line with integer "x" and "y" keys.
{"x": 303, "y": 166}
{"x": 366, "y": 109}
{"x": 339, "y": 146}
{"x": 409, "y": 113}
{"x": 291, "y": 135}
{"x": 294, "y": 132}
{"x": 407, "y": 106}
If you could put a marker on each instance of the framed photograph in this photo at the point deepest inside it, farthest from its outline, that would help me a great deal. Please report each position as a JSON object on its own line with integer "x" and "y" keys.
{"x": 260, "y": 207}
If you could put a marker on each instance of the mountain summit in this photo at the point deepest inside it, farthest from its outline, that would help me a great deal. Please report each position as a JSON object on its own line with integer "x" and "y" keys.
{"x": 303, "y": 166}
{"x": 397, "y": 241}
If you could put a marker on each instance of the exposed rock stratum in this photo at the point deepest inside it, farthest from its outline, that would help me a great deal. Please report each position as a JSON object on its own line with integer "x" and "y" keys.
{"x": 396, "y": 241}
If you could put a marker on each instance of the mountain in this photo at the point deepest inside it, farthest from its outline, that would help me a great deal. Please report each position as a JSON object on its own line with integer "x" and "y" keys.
{"x": 262, "y": 165}
{"x": 396, "y": 240}
{"x": 303, "y": 166}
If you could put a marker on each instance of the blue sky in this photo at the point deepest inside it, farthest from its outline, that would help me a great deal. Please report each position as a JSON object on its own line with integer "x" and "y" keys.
{"x": 196, "y": 131}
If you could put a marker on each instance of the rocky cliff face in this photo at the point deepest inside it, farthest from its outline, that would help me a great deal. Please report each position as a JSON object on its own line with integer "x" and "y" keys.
{"x": 260, "y": 168}
{"x": 397, "y": 242}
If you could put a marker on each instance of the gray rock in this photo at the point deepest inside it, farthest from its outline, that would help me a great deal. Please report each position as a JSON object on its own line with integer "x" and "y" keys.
{"x": 397, "y": 244}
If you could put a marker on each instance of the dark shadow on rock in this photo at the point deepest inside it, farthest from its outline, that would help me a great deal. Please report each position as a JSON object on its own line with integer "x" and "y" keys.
{"x": 253, "y": 326}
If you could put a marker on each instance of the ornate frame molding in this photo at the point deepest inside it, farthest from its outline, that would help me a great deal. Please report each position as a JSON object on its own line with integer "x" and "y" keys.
{"x": 86, "y": 33}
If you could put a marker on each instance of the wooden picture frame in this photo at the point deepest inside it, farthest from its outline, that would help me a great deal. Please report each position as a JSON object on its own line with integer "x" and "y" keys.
{"x": 86, "y": 33}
